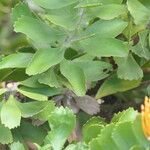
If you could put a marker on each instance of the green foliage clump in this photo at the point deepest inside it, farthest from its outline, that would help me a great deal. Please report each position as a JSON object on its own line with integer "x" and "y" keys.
{"x": 71, "y": 45}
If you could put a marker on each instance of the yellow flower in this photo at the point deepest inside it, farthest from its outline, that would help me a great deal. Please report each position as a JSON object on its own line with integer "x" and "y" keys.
{"x": 145, "y": 111}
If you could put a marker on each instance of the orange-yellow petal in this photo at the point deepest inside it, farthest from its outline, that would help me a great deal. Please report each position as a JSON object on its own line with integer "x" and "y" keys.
{"x": 145, "y": 112}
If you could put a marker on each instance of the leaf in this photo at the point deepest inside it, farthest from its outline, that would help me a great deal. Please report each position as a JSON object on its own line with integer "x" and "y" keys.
{"x": 78, "y": 146}
{"x": 2, "y": 91}
{"x": 104, "y": 47}
{"x": 36, "y": 30}
{"x": 38, "y": 133}
{"x": 149, "y": 38}
{"x": 95, "y": 120}
{"x": 10, "y": 113}
{"x": 47, "y": 91}
{"x": 107, "y": 28}
{"x": 46, "y": 112}
{"x": 32, "y": 95}
{"x": 53, "y": 4}
{"x": 5, "y": 136}
{"x": 32, "y": 82}
{"x": 88, "y": 3}
{"x": 66, "y": 17}
{"x": 44, "y": 59}
{"x": 18, "y": 60}
{"x": 15, "y": 75}
{"x": 57, "y": 137}
{"x": 123, "y": 136}
{"x": 104, "y": 139}
{"x": 138, "y": 11}
{"x": 148, "y": 90}
{"x": 92, "y": 128}
{"x": 138, "y": 132}
{"x": 49, "y": 78}
{"x": 21, "y": 9}
{"x": 141, "y": 49}
{"x": 128, "y": 68}
{"x": 30, "y": 109}
{"x": 125, "y": 116}
{"x": 109, "y": 11}
{"x": 17, "y": 146}
{"x": 88, "y": 104}
{"x": 75, "y": 76}
{"x": 59, "y": 116}
{"x": 94, "y": 70}
{"x": 146, "y": 3}
{"x": 60, "y": 128}
{"x": 137, "y": 147}
{"x": 90, "y": 132}
{"x": 112, "y": 1}
{"x": 4, "y": 73}
{"x": 113, "y": 85}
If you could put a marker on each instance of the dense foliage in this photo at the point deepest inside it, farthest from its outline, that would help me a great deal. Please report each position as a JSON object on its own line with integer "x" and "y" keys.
{"x": 58, "y": 53}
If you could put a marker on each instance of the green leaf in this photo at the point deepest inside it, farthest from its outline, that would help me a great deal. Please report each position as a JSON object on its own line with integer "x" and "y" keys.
{"x": 49, "y": 78}
{"x": 60, "y": 128}
{"x": 21, "y": 9}
{"x": 59, "y": 116}
{"x": 78, "y": 146}
{"x": 44, "y": 59}
{"x": 149, "y": 38}
{"x": 14, "y": 75}
{"x": 112, "y": 1}
{"x": 5, "y": 135}
{"x": 36, "y": 30}
{"x": 30, "y": 109}
{"x": 146, "y": 3}
{"x": 123, "y": 136}
{"x": 94, "y": 70}
{"x": 10, "y": 113}
{"x": 137, "y": 147}
{"x": 92, "y": 128}
{"x": 46, "y": 112}
{"x": 35, "y": 96}
{"x": 113, "y": 85}
{"x": 5, "y": 73}
{"x": 45, "y": 147}
{"x": 32, "y": 133}
{"x": 19, "y": 60}
{"x": 58, "y": 137}
{"x": 138, "y": 11}
{"x": 141, "y": 48}
{"x": 104, "y": 140}
{"x": 88, "y": 3}
{"x": 138, "y": 132}
{"x": 125, "y": 116}
{"x": 44, "y": 90}
{"x": 128, "y": 68}
{"x": 95, "y": 120}
{"x": 75, "y": 76}
{"x": 53, "y": 4}
{"x": 17, "y": 146}
{"x": 107, "y": 28}
{"x": 2, "y": 91}
{"x": 148, "y": 90}
{"x": 32, "y": 82}
{"x": 105, "y": 47}
{"x": 109, "y": 11}
{"x": 66, "y": 17}
{"x": 91, "y": 131}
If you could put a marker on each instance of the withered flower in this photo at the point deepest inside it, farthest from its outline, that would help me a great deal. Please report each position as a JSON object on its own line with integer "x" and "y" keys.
{"x": 145, "y": 112}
